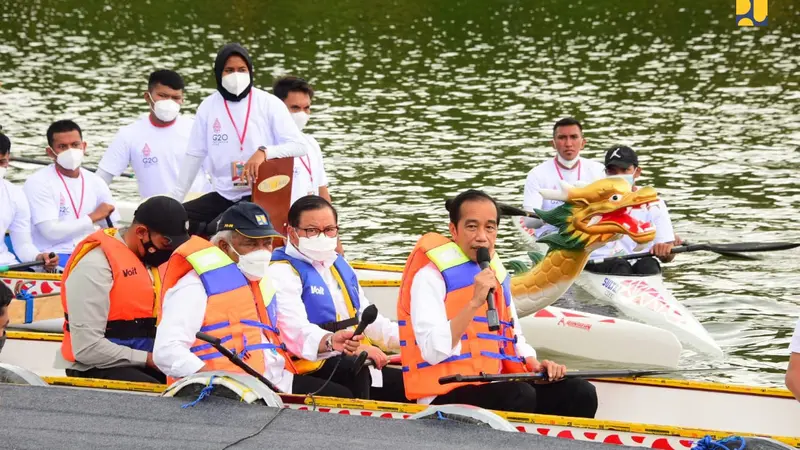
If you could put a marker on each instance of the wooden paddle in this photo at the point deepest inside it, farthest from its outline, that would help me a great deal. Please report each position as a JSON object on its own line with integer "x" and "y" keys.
{"x": 723, "y": 249}
{"x": 273, "y": 190}
{"x": 26, "y": 265}
{"x": 508, "y": 210}
{"x": 533, "y": 376}
{"x": 47, "y": 163}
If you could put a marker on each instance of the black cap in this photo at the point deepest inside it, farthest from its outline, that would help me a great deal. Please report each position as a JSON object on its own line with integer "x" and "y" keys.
{"x": 165, "y": 216}
{"x": 621, "y": 156}
{"x": 247, "y": 219}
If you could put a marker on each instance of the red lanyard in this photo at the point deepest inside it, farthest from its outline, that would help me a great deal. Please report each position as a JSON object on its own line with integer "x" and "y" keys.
{"x": 76, "y": 211}
{"x": 308, "y": 167}
{"x": 555, "y": 161}
{"x": 246, "y": 121}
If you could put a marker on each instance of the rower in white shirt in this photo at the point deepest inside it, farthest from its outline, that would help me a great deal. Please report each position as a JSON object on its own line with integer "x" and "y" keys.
{"x": 237, "y": 128}
{"x": 309, "y": 176}
{"x": 221, "y": 288}
{"x": 155, "y": 144}
{"x": 15, "y": 218}
{"x": 318, "y": 293}
{"x": 67, "y": 202}
{"x": 567, "y": 165}
{"x": 622, "y": 161}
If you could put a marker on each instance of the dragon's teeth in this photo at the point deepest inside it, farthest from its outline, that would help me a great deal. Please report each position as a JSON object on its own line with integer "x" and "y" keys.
{"x": 627, "y": 227}
{"x": 594, "y": 220}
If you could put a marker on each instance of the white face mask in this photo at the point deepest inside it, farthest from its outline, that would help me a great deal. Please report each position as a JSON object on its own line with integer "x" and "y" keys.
{"x": 3, "y": 172}
{"x": 625, "y": 176}
{"x": 236, "y": 82}
{"x": 320, "y": 248}
{"x": 70, "y": 159}
{"x": 166, "y": 110}
{"x": 254, "y": 264}
{"x": 569, "y": 164}
{"x": 301, "y": 119}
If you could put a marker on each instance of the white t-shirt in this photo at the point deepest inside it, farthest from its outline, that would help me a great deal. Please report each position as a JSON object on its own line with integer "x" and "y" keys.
{"x": 309, "y": 171}
{"x": 50, "y": 200}
{"x": 215, "y": 137}
{"x": 155, "y": 153}
{"x": 548, "y": 175}
{"x": 15, "y": 219}
{"x": 794, "y": 346}
{"x": 658, "y": 215}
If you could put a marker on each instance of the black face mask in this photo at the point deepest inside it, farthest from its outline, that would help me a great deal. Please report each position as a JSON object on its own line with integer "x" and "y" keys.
{"x": 154, "y": 256}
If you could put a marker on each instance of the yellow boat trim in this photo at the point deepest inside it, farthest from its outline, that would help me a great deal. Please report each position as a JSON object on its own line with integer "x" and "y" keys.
{"x": 703, "y": 386}
{"x": 34, "y": 276}
{"x": 34, "y": 336}
{"x": 363, "y": 265}
{"x": 379, "y": 283}
{"x": 540, "y": 419}
{"x": 404, "y": 408}
{"x": 97, "y": 383}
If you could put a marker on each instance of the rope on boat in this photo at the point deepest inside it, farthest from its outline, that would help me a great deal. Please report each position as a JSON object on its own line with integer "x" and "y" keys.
{"x": 203, "y": 394}
{"x": 728, "y": 443}
{"x": 27, "y": 297}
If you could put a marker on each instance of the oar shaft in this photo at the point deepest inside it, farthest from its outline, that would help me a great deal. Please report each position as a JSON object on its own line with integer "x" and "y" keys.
{"x": 508, "y": 210}
{"x": 47, "y": 163}
{"x": 26, "y": 265}
{"x": 215, "y": 342}
{"x": 675, "y": 250}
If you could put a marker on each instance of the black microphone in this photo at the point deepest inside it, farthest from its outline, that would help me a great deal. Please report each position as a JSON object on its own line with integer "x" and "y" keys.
{"x": 367, "y": 317}
{"x": 491, "y": 314}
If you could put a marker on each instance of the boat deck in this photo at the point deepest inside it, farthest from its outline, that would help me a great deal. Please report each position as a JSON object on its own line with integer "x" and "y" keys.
{"x": 64, "y": 418}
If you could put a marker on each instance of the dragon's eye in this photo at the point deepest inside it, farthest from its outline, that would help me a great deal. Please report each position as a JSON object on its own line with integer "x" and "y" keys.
{"x": 616, "y": 198}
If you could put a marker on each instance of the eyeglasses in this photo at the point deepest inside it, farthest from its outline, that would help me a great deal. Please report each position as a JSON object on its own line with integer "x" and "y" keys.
{"x": 314, "y": 232}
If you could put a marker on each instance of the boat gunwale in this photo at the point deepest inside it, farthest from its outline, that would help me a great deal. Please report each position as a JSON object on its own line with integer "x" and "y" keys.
{"x": 31, "y": 276}
{"x": 412, "y": 408}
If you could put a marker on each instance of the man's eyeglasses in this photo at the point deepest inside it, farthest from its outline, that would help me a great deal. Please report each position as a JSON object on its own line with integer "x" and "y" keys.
{"x": 314, "y": 232}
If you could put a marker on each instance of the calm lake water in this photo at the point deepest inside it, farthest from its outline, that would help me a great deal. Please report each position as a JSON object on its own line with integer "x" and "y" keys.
{"x": 418, "y": 100}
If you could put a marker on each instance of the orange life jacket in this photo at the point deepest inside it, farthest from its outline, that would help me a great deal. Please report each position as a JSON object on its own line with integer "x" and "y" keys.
{"x": 236, "y": 312}
{"x": 132, "y": 310}
{"x": 482, "y": 351}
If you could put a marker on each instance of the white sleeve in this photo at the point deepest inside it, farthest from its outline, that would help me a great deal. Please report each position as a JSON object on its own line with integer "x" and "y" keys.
{"x": 290, "y": 141}
{"x": 117, "y": 157}
{"x": 523, "y": 348}
{"x": 104, "y": 196}
{"x": 662, "y": 222}
{"x": 105, "y": 176}
{"x": 383, "y": 332}
{"x": 20, "y": 229}
{"x": 188, "y": 173}
{"x": 533, "y": 199}
{"x": 198, "y": 145}
{"x": 429, "y": 316}
{"x": 323, "y": 176}
{"x": 57, "y": 231}
{"x": 301, "y": 337}
{"x": 794, "y": 346}
{"x": 182, "y": 317}
{"x": 43, "y": 204}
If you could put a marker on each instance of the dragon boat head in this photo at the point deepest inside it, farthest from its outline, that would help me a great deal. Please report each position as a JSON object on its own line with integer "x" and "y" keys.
{"x": 597, "y": 213}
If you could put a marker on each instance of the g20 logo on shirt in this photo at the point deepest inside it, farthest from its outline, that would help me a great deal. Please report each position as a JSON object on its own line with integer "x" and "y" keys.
{"x": 148, "y": 160}
{"x": 218, "y": 137}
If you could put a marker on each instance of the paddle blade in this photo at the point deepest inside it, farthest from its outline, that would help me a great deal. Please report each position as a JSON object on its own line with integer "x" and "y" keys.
{"x": 741, "y": 247}
{"x": 508, "y": 210}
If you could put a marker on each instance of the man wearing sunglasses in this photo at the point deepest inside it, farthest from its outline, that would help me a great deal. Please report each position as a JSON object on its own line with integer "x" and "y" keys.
{"x": 318, "y": 294}
{"x": 109, "y": 298}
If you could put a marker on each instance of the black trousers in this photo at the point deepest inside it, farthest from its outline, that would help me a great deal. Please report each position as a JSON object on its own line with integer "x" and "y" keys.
{"x": 124, "y": 373}
{"x": 307, "y": 384}
{"x": 644, "y": 266}
{"x": 358, "y": 383}
{"x": 204, "y": 212}
{"x": 571, "y": 397}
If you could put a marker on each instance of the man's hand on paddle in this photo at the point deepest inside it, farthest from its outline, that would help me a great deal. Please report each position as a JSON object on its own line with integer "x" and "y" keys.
{"x": 554, "y": 371}
{"x": 663, "y": 251}
{"x": 250, "y": 171}
{"x": 50, "y": 264}
{"x": 375, "y": 354}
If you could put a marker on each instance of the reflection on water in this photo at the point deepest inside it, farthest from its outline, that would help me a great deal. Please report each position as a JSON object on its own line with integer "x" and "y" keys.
{"x": 417, "y": 100}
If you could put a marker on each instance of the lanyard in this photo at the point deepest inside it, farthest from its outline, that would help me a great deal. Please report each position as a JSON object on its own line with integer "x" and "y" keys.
{"x": 76, "y": 211}
{"x": 246, "y": 121}
{"x": 555, "y": 162}
{"x": 308, "y": 167}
